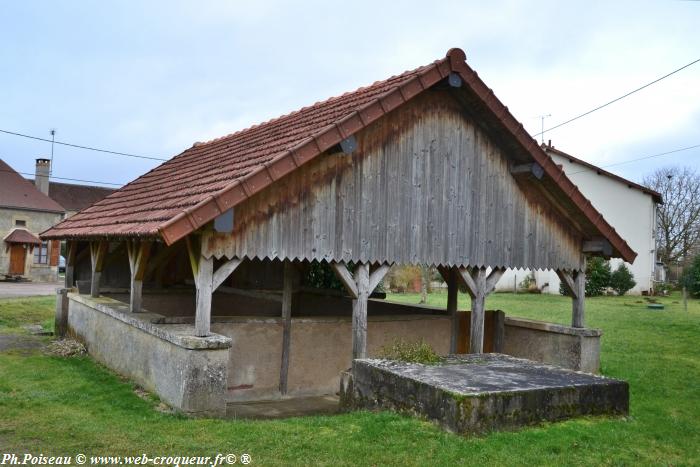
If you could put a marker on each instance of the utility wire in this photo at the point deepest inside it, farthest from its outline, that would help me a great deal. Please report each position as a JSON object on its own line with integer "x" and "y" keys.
{"x": 640, "y": 158}
{"x": 63, "y": 178}
{"x": 107, "y": 151}
{"x": 617, "y": 99}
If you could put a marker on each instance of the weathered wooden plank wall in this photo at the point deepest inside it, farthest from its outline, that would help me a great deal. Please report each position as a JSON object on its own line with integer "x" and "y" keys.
{"x": 426, "y": 185}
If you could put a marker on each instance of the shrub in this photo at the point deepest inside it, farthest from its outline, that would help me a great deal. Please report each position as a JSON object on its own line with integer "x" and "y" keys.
{"x": 691, "y": 277}
{"x": 527, "y": 282}
{"x": 622, "y": 280}
{"x": 412, "y": 352}
{"x": 320, "y": 275}
{"x": 403, "y": 278}
{"x": 597, "y": 276}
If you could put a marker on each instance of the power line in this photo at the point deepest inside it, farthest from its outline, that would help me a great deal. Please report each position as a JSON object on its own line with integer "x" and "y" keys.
{"x": 64, "y": 178}
{"x": 89, "y": 148}
{"x": 673, "y": 151}
{"x": 617, "y": 99}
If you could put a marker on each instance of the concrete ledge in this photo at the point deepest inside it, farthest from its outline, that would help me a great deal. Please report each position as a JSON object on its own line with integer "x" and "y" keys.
{"x": 179, "y": 334}
{"x": 187, "y": 372}
{"x": 552, "y": 327}
{"x": 481, "y": 393}
{"x": 252, "y": 319}
{"x": 574, "y": 348}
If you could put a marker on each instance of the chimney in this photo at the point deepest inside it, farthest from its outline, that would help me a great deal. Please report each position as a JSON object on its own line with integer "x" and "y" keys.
{"x": 41, "y": 175}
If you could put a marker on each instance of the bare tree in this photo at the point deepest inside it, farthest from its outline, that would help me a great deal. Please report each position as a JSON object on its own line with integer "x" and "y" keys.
{"x": 679, "y": 217}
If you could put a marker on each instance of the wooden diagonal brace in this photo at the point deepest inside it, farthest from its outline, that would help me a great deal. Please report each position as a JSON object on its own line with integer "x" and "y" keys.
{"x": 345, "y": 277}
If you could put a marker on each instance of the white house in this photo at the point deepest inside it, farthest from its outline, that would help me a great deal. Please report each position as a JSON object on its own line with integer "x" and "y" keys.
{"x": 629, "y": 207}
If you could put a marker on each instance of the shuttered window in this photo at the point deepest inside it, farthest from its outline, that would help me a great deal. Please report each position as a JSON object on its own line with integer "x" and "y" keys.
{"x": 41, "y": 253}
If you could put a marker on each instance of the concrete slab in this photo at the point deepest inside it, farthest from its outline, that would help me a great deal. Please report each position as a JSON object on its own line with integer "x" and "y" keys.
{"x": 284, "y": 408}
{"x": 480, "y": 393}
{"x": 23, "y": 344}
{"x": 27, "y": 289}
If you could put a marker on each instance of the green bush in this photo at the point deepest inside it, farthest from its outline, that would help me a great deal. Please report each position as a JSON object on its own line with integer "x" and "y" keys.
{"x": 622, "y": 280}
{"x": 320, "y": 275}
{"x": 597, "y": 277}
{"x": 691, "y": 277}
{"x": 412, "y": 352}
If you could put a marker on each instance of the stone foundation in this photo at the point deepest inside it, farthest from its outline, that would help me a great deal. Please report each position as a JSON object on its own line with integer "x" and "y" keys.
{"x": 188, "y": 373}
{"x": 481, "y": 393}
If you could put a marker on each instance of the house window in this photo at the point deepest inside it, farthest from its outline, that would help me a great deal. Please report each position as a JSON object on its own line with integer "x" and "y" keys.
{"x": 41, "y": 253}
{"x": 20, "y": 223}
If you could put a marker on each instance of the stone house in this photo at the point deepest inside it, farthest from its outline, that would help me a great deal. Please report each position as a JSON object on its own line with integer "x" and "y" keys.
{"x": 28, "y": 207}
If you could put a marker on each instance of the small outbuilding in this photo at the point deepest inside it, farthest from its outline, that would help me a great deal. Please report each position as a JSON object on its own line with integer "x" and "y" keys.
{"x": 199, "y": 278}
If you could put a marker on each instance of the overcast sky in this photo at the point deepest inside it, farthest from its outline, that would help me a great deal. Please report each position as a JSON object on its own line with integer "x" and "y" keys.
{"x": 153, "y": 77}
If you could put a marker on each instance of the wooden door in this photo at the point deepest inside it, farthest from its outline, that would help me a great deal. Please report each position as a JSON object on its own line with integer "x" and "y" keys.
{"x": 18, "y": 255}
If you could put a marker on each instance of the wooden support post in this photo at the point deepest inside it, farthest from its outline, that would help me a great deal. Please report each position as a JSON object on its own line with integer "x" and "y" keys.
{"x": 359, "y": 312}
{"x": 138, "y": 257}
{"x": 71, "y": 247}
{"x": 479, "y": 285}
{"x": 287, "y": 291}
{"x": 206, "y": 281}
{"x": 450, "y": 277}
{"x": 578, "y": 309}
{"x": 360, "y": 287}
{"x": 575, "y": 285}
{"x": 98, "y": 250}
{"x": 205, "y": 289}
{"x": 452, "y": 297}
{"x": 476, "y": 334}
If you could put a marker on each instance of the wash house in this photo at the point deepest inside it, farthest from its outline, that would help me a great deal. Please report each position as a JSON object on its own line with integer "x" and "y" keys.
{"x": 196, "y": 279}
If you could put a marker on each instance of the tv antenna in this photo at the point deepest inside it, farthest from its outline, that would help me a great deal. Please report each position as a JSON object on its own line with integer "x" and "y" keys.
{"x": 53, "y": 139}
{"x": 542, "y": 117}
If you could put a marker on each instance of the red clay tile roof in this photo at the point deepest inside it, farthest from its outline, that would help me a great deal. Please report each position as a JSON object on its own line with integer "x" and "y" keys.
{"x": 16, "y": 192}
{"x": 655, "y": 195}
{"x": 197, "y": 185}
{"x": 22, "y": 236}
{"x": 77, "y": 197}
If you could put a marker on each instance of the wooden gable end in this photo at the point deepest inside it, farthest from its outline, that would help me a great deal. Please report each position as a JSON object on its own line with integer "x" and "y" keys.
{"x": 426, "y": 185}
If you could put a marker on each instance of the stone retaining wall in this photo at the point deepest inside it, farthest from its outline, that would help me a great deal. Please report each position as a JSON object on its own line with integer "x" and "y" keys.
{"x": 188, "y": 373}
{"x": 564, "y": 346}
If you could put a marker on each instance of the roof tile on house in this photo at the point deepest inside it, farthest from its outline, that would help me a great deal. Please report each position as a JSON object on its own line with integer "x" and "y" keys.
{"x": 22, "y": 236}
{"x": 18, "y": 193}
{"x": 77, "y": 197}
{"x": 207, "y": 179}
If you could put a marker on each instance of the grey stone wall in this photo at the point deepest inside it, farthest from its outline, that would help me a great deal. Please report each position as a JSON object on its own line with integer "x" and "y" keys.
{"x": 188, "y": 373}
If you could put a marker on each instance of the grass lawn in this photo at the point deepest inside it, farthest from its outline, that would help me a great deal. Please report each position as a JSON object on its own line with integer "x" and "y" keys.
{"x": 66, "y": 406}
